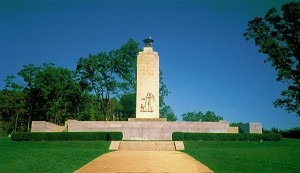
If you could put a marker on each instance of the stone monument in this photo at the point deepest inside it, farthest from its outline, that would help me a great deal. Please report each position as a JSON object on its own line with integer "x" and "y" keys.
{"x": 147, "y": 88}
{"x": 147, "y": 125}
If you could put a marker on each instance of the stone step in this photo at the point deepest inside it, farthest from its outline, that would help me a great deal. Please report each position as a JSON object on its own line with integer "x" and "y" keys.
{"x": 147, "y": 146}
{"x": 114, "y": 145}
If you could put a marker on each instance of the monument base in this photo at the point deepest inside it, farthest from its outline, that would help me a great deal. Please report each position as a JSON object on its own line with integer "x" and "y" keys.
{"x": 148, "y": 119}
{"x": 135, "y": 130}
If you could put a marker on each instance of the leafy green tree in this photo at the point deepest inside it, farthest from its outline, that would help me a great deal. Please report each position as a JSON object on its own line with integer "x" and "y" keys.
{"x": 97, "y": 74}
{"x": 108, "y": 75}
{"x": 192, "y": 116}
{"x": 278, "y": 36}
{"x": 60, "y": 92}
{"x": 50, "y": 93}
{"x": 125, "y": 64}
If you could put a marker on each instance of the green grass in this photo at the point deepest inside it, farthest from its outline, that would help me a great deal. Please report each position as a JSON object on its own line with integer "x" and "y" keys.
{"x": 247, "y": 157}
{"x": 55, "y": 156}
{"x": 221, "y": 157}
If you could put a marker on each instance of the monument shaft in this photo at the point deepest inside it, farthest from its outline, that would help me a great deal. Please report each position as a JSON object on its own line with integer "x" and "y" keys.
{"x": 147, "y": 94}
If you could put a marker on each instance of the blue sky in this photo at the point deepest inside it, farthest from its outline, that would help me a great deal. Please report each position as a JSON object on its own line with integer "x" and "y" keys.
{"x": 206, "y": 61}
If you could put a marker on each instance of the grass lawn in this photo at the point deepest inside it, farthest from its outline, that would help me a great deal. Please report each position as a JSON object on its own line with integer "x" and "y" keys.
{"x": 56, "y": 156}
{"x": 244, "y": 157}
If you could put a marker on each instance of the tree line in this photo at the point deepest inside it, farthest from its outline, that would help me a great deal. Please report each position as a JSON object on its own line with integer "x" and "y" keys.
{"x": 101, "y": 88}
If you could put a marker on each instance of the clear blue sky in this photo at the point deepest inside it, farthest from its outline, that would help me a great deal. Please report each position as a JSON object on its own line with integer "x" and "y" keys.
{"x": 207, "y": 63}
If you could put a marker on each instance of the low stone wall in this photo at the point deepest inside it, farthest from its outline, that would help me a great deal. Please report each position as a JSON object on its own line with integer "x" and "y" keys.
{"x": 144, "y": 130}
{"x": 43, "y": 126}
{"x": 134, "y": 130}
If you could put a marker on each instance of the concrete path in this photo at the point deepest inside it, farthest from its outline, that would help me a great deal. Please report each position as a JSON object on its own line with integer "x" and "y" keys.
{"x": 144, "y": 162}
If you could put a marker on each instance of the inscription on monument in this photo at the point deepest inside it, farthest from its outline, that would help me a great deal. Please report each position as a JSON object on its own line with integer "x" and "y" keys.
{"x": 146, "y": 67}
{"x": 148, "y": 104}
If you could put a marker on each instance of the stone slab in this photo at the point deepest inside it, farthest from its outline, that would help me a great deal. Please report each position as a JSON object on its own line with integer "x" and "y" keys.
{"x": 147, "y": 130}
{"x": 114, "y": 145}
{"x": 43, "y": 126}
{"x": 179, "y": 145}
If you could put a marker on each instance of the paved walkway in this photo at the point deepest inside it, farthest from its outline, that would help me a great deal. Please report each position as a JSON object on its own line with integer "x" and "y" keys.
{"x": 144, "y": 162}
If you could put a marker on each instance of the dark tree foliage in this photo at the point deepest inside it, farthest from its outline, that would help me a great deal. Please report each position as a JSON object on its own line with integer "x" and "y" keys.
{"x": 192, "y": 116}
{"x": 127, "y": 109}
{"x": 13, "y": 110}
{"x": 49, "y": 93}
{"x": 60, "y": 93}
{"x": 209, "y": 116}
{"x": 278, "y": 36}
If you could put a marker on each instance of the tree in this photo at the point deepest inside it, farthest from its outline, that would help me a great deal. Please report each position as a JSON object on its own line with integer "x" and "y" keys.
{"x": 13, "y": 106}
{"x": 109, "y": 74}
{"x": 125, "y": 64}
{"x": 33, "y": 99}
{"x": 192, "y": 116}
{"x": 60, "y": 92}
{"x": 97, "y": 74}
{"x": 236, "y": 124}
{"x": 13, "y": 109}
{"x": 163, "y": 91}
{"x": 50, "y": 93}
{"x": 127, "y": 103}
{"x": 278, "y": 36}
{"x": 88, "y": 108}
{"x": 209, "y": 116}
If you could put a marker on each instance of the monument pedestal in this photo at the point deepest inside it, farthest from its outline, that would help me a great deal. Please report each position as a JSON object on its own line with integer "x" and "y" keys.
{"x": 148, "y": 119}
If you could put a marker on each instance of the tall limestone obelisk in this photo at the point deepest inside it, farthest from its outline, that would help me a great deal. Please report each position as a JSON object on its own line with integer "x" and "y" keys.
{"x": 147, "y": 88}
